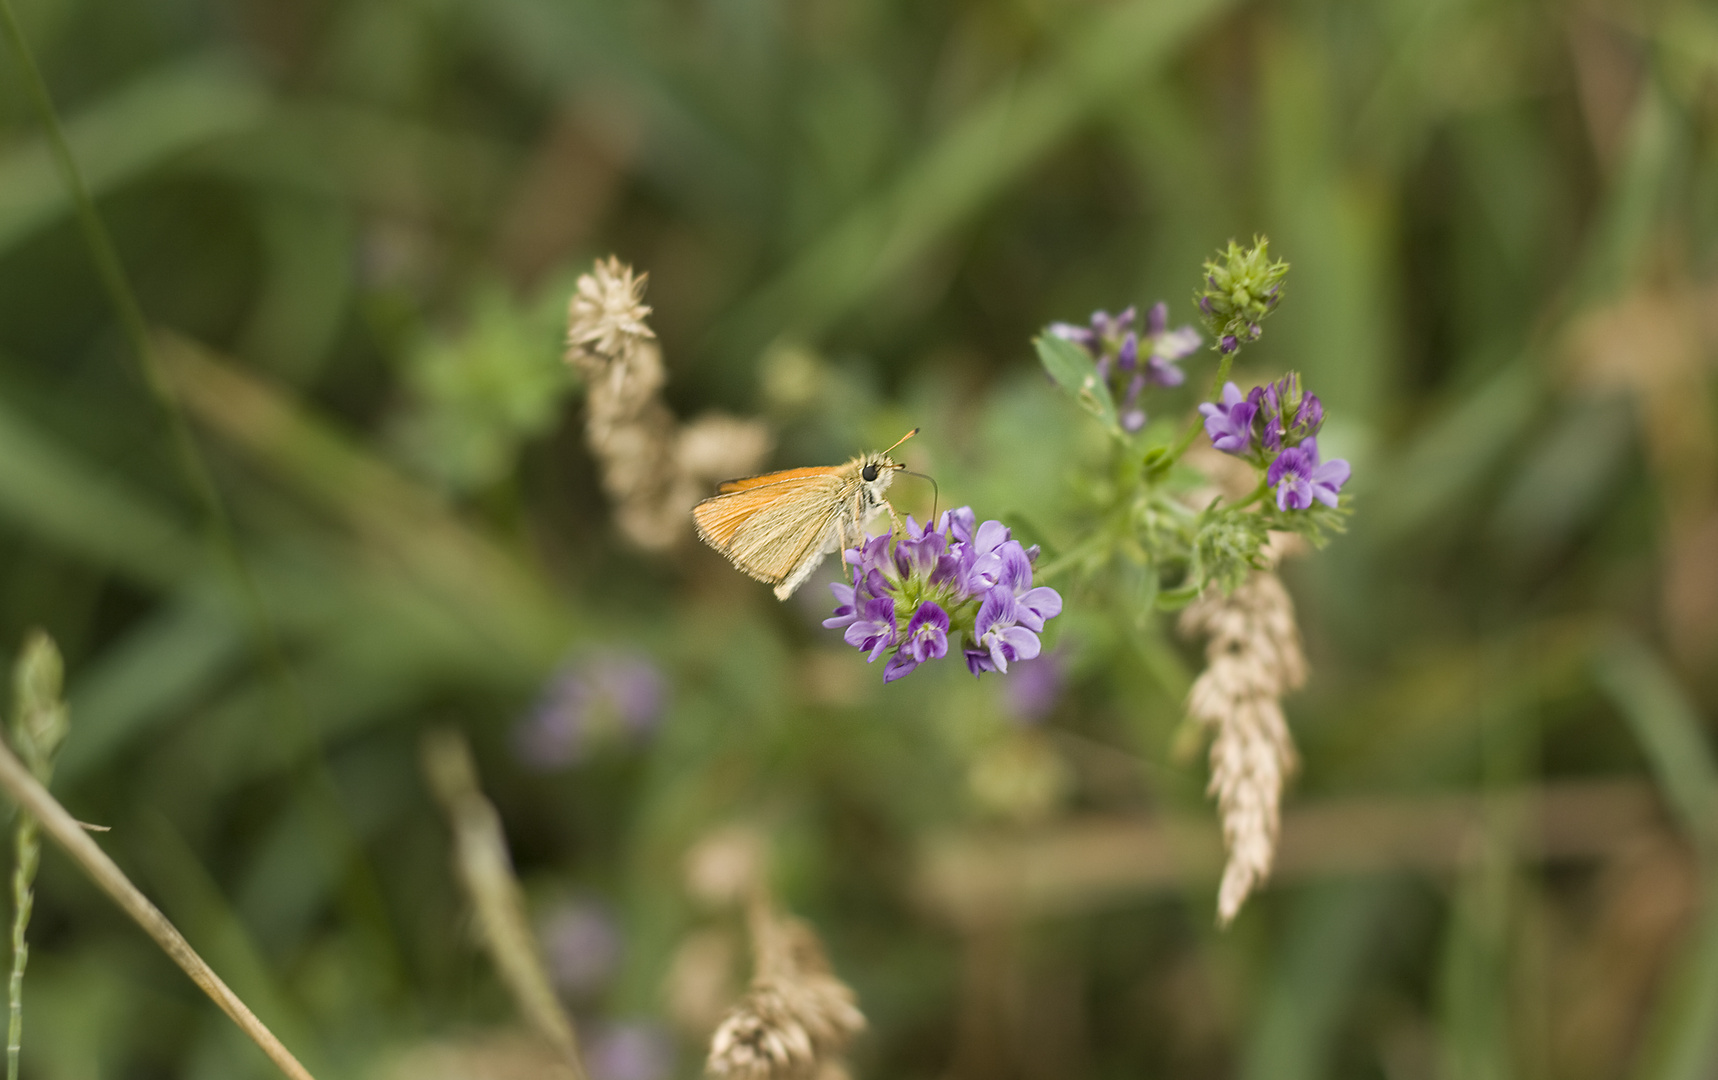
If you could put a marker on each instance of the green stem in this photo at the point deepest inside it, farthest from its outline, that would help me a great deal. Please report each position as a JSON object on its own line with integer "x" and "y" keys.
{"x": 197, "y": 474}
{"x": 1059, "y": 564}
{"x": 1258, "y": 493}
{"x": 29, "y": 852}
{"x": 1197, "y": 425}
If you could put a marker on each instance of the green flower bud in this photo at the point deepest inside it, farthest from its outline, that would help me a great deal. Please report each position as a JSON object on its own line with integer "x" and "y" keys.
{"x": 40, "y": 722}
{"x": 1242, "y": 286}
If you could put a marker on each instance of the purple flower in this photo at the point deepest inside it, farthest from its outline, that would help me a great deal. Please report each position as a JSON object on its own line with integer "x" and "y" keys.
{"x": 637, "y": 1050}
{"x": 1000, "y": 634}
{"x": 1034, "y": 687}
{"x": 875, "y": 630}
{"x": 1299, "y": 478}
{"x": 582, "y": 945}
{"x": 1145, "y": 358}
{"x": 958, "y": 523}
{"x": 926, "y": 639}
{"x": 600, "y": 697}
{"x": 1287, "y": 416}
{"x": 1127, "y": 357}
{"x": 917, "y": 592}
{"x": 1229, "y": 421}
{"x": 846, "y": 606}
{"x": 1132, "y": 416}
{"x": 1167, "y": 346}
{"x": 1079, "y": 335}
{"x": 919, "y": 550}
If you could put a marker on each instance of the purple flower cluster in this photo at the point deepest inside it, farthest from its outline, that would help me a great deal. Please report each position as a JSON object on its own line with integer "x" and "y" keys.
{"x": 600, "y": 698}
{"x": 1133, "y": 359}
{"x": 1276, "y": 426}
{"x": 957, "y": 581}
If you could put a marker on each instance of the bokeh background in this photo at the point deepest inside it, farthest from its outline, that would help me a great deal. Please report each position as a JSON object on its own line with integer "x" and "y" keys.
{"x": 1501, "y": 216}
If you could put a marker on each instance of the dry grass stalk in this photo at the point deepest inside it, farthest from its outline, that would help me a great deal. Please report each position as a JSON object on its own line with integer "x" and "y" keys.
{"x": 486, "y": 872}
{"x": 1253, "y": 657}
{"x": 652, "y": 468}
{"x": 796, "y": 1018}
{"x": 66, "y": 831}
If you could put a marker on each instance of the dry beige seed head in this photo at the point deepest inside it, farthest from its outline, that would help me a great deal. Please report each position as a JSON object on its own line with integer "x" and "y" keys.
{"x": 796, "y": 1018}
{"x": 1253, "y": 657}
{"x": 762, "y": 1040}
{"x": 607, "y": 312}
{"x": 652, "y": 470}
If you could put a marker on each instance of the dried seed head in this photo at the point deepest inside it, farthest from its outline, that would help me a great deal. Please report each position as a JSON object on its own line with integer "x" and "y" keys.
{"x": 796, "y": 1018}
{"x": 652, "y": 470}
{"x": 1253, "y": 657}
{"x": 607, "y": 312}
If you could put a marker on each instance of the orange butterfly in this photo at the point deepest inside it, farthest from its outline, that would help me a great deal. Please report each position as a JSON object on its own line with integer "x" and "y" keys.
{"x": 779, "y": 526}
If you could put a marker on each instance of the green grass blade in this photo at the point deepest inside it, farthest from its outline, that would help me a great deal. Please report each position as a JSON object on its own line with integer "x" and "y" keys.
{"x": 1682, "y": 1041}
{"x": 126, "y": 136}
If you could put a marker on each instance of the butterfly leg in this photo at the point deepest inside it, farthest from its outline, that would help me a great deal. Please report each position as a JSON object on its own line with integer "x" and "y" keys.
{"x": 900, "y": 530}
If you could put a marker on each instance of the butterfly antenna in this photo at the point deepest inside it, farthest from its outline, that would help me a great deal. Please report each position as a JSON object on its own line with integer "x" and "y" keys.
{"x": 903, "y": 439}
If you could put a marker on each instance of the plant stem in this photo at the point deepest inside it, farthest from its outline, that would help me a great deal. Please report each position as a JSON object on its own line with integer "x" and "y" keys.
{"x": 29, "y": 853}
{"x": 1197, "y": 425}
{"x": 34, "y": 799}
{"x": 486, "y": 872}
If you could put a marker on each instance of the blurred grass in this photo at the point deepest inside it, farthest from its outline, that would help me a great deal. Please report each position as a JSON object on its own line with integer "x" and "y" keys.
{"x": 357, "y": 223}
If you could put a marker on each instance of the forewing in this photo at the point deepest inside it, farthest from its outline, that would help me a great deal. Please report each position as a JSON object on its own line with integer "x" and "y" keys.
{"x": 768, "y": 529}
{"x": 785, "y": 476}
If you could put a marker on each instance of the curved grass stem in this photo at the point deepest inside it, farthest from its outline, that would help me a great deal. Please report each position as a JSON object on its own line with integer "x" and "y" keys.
{"x": 33, "y": 799}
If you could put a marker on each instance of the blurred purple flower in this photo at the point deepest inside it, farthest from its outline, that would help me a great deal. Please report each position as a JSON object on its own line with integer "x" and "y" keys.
{"x": 587, "y": 700}
{"x": 636, "y": 1050}
{"x": 582, "y": 945}
{"x": 1168, "y": 346}
{"x": 1142, "y": 357}
{"x": 1299, "y": 478}
{"x": 1035, "y": 687}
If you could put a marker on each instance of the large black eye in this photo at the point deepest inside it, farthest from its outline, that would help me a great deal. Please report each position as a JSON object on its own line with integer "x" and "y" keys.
{"x": 869, "y": 473}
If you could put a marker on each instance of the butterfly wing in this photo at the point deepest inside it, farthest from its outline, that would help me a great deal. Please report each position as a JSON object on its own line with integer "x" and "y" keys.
{"x": 772, "y": 526}
{"x": 785, "y": 476}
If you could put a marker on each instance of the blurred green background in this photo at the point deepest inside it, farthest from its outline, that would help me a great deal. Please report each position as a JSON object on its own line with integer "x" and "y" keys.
{"x": 1502, "y": 217}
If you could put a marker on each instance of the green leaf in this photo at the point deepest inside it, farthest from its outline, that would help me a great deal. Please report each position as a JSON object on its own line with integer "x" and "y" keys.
{"x": 1076, "y": 372}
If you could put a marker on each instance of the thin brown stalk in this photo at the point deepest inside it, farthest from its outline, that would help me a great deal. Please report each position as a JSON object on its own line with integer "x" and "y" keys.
{"x": 486, "y": 872}
{"x": 35, "y": 800}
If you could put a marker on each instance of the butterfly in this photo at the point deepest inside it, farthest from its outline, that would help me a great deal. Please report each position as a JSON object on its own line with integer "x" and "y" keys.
{"x": 778, "y": 527}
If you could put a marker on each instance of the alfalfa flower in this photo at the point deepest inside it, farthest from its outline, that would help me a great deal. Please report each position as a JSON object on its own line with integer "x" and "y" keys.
{"x": 1130, "y": 359}
{"x": 1229, "y": 421}
{"x": 957, "y": 582}
{"x": 1299, "y": 478}
{"x": 1275, "y": 427}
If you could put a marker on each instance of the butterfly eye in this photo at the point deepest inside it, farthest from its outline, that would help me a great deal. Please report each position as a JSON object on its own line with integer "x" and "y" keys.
{"x": 868, "y": 473}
